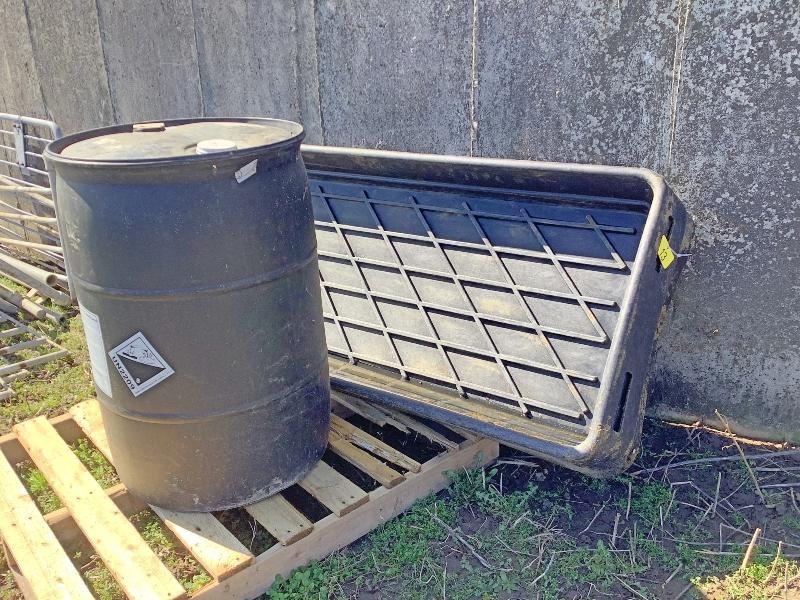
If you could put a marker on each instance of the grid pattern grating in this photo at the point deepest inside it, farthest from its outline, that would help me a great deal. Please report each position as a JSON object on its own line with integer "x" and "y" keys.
{"x": 513, "y": 300}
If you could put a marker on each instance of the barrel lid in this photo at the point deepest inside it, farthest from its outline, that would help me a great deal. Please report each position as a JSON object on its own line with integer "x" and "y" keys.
{"x": 155, "y": 140}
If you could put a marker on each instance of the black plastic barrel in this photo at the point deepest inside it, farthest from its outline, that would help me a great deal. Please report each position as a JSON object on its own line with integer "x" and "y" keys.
{"x": 190, "y": 245}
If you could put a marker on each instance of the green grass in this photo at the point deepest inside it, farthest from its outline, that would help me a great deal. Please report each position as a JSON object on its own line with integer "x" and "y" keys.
{"x": 406, "y": 558}
{"x": 792, "y": 522}
{"x": 519, "y": 535}
{"x": 102, "y": 470}
{"x": 523, "y": 535}
{"x": 39, "y": 489}
{"x": 56, "y": 385}
{"x": 648, "y": 500}
{"x": 185, "y": 568}
{"x": 91, "y": 457}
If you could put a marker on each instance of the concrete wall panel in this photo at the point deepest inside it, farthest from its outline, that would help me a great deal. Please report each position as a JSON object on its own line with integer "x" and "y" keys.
{"x": 574, "y": 81}
{"x": 151, "y": 59}
{"x": 69, "y": 61}
{"x": 734, "y": 340}
{"x": 247, "y": 59}
{"x": 259, "y": 59}
{"x": 395, "y": 74}
{"x": 20, "y": 91}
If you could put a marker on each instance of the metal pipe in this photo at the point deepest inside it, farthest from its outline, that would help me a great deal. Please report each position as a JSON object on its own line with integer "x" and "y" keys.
{"x": 31, "y": 218}
{"x": 33, "y": 191}
{"x": 7, "y": 307}
{"x": 35, "y": 278}
{"x": 24, "y": 189}
{"x": 38, "y": 360}
{"x": 40, "y": 312}
{"x": 36, "y": 245}
{"x": 26, "y": 345}
{"x": 38, "y": 273}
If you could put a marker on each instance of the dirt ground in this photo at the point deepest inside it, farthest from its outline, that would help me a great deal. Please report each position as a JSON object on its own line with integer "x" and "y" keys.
{"x": 677, "y": 525}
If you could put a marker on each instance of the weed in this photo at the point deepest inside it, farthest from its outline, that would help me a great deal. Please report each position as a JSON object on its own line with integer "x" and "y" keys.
{"x": 102, "y": 470}
{"x": 646, "y": 499}
{"x": 738, "y": 519}
{"x": 594, "y": 565}
{"x": 765, "y": 579}
{"x": 792, "y": 522}
{"x": 39, "y": 489}
{"x": 185, "y": 568}
{"x": 473, "y": 486}
{"x": 656, "y": 551}
{"x": 99, "y": 578}
{"x": 596, "y": 484}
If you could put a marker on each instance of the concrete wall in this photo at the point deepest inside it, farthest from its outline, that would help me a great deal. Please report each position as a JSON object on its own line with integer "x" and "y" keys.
{"x": 703, "y": 91}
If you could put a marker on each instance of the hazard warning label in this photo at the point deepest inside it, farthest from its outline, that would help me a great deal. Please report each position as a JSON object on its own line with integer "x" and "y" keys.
{"x": 139, "y": 364}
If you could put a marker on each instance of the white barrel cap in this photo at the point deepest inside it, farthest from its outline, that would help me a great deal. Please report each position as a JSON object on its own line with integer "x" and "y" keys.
{"x": 215, "y": 145}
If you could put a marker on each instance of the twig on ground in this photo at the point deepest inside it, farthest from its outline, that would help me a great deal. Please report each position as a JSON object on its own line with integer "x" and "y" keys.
{"x": 775, "y": 562}
{"x": 748, "y": 555}
{"x": 516, "y": 461}
{"x": 744, "y": 459}
{"x": 628, "y": 509}
{"x": 699, "y": 427}
{"x": 594, "y": 518}
{"x": 630, "y": 588}
{"x": 614, "y": 533}
{"x": 520, "y": 518}
{"x": 730, "y": 553}
{"x": 546, "y": 569}
{"x": 781, "y": 485}
{"x": 510, "y": 549}
{"x": 716, "y": 459}
{"x": 716, "y": 494}
{"x": 794, "y": 501}
{"x": 672, "y": 576}
{"x": 763, "y": 539}
{"x": 465, "y": 543}
{"x": 683, "y": 592}
{"x": 777, "y": 469}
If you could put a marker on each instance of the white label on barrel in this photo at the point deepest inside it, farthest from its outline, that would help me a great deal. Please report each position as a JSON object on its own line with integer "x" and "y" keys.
{"x": 97, "y": 350}
{"x": 139, "y": 364}
{"x": 246, "y": 171}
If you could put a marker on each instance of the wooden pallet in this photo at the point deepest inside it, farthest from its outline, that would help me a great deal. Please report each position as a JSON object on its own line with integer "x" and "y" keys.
{"x": 34, "y": 543}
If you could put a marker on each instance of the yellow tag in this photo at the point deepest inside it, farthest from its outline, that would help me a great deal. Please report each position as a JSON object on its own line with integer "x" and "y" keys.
{"x": 665, "y": 254}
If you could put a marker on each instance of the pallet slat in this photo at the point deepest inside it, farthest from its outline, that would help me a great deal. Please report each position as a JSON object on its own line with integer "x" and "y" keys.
{"x": 425, "y": 431}
{"x": 208, "y": 540}
{"x": 48, "y": 570}
{"x": 333, "y": 533}
{"x": 283, "y": 521}
{"x": 362, "y": 439}
{"x": 355, "y": 512}
{"x": 380, "y": 472}
{"x": 334, "y": 490}
{"x": 127, "y": 556}
{"x": 214, "y": 547}
{"x": 368, "y": 411}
